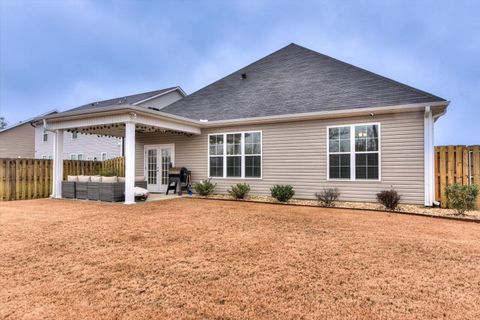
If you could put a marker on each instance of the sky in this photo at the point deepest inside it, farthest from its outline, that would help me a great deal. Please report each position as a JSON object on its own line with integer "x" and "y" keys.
{"x": 61, "y": 54}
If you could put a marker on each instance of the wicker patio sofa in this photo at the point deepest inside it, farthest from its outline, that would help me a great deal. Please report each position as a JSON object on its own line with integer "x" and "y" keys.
{"x": 111, "y": 189}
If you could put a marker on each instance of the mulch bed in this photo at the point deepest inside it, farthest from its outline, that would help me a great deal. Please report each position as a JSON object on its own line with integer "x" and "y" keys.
{"x": 471, "y": 216}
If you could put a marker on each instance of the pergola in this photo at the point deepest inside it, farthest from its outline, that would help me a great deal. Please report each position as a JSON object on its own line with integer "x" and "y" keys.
{"x": 122, "y": 121}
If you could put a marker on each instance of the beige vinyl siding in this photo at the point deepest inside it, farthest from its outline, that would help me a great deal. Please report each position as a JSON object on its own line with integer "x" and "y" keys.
{"x": 18, "y": 142}
{"x": 295, "y": 153}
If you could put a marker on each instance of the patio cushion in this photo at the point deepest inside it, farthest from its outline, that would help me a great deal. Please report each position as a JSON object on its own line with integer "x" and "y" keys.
{"x": 121, "y": 179}
{"x": 140, "y": 178}
{"x": 96, "y": 178}
{"x": 83, "y": 178}
{"x": 110, "y": 179}
{"x": 72, "y": 178}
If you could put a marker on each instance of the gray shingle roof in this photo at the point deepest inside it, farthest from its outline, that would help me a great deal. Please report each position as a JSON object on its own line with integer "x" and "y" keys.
{"x": 294, "y": 80}
{"x": 134, "y": 98}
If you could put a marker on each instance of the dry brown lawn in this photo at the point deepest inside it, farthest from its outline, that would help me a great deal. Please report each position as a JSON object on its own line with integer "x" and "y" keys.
{"x": 200, "y": 259}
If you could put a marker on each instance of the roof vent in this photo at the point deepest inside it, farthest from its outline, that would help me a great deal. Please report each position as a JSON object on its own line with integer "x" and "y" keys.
{"x": 244, "y": 76}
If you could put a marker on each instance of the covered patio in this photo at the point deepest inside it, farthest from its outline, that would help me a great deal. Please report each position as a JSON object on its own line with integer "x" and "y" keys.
{"x": 123, "y": 122}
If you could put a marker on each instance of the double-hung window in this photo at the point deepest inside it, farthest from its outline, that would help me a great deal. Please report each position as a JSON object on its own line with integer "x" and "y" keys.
{"x": 216, "y": 155}
{"x": 45, "y": 135}
{"x": 353, "y": 152}
{"x": 235, "y": 155}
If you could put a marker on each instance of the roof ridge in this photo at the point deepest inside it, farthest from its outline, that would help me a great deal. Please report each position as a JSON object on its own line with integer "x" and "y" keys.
{"x": 370, "y": 72}
{"x": 135, "y": 94}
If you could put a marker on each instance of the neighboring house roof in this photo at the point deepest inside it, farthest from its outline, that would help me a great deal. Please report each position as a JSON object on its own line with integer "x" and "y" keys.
{"x": 294, "y": 80}
{"x": 133, "y": 99}
{"x": 28, "y": 120}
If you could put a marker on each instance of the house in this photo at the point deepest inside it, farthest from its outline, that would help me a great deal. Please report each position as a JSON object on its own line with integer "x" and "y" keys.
{"x": 18, "y": 140}
{"x": 293, "y": 117}
{"x": 77, "y": 146}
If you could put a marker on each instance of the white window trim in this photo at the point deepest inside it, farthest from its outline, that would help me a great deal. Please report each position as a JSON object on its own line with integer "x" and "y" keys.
{"x": 101, "y": 156}
{"x": 242, "y": 177}
{"x": 353, "y": 152}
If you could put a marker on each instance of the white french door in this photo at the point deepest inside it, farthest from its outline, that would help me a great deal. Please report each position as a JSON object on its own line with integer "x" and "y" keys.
{"x": 158, "y": 159}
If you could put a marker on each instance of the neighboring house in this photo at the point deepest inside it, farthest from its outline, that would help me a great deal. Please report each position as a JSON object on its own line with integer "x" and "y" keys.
{"x": 293, "y": 117}
{"x": 18, "y": 140}
{"x": 78, "y": 146}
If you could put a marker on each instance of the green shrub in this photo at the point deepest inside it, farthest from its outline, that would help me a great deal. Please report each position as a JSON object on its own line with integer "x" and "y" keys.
{"x": 461, "y": 197}
{"x": 328, "y": 197}
{"x": 282, "y": 193}
{"x": 108, "y": 172}
{"x": 389, "y": 198}
{"x": 239, "y": 190}
{"x": 204, "y": 188}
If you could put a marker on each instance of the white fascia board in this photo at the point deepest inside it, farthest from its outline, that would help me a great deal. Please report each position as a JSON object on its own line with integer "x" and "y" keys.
{"x": 136, "y": 117}
{"x": 327, "y": 114}
{"x": 98, "y": 112}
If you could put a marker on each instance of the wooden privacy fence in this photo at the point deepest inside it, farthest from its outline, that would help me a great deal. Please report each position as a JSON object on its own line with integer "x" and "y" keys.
{"x": 25, "y": 178}
{"x": 88, "y": 168}
{"x": 456, "y": 164}
{"x": 22, "y": 179}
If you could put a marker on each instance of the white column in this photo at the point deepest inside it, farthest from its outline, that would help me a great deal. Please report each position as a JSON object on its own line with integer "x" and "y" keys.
{"x": 57, "y": 164}
{"x": 429, "y": 170}
{"x": 129, "y": 162}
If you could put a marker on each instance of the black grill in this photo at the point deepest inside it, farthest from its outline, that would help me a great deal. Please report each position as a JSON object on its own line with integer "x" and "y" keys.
{"x": 179, "y": 179}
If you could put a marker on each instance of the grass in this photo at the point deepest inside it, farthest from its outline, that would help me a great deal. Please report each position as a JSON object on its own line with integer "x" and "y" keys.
{"x": 191, "y": 259}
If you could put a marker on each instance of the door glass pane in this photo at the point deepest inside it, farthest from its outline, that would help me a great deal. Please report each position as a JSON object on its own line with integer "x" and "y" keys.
{"x": 166, "y": 160}
{"x": 152, "y": 166}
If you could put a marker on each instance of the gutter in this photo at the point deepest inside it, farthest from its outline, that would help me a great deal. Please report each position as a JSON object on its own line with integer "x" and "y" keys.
{"x": 248, "y": 121}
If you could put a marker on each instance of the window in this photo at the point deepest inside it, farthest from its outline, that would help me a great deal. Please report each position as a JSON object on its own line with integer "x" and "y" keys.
{"x": 44, "y": 157}
{"x": 80, "y": 156}
{"x": 215, "y": 150}
{"x": 73, "y": 156}
{"x": 50, "y": 157}
{"x": 353, "y": 152}
{"x": 74, "y": 135}
{"x": 235, "y": 155}
{"x": 104, "y": 156}
{"x": 253, "y": 154}
{"x": 45, "y": 135}
{"x": 339, "y": 157}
